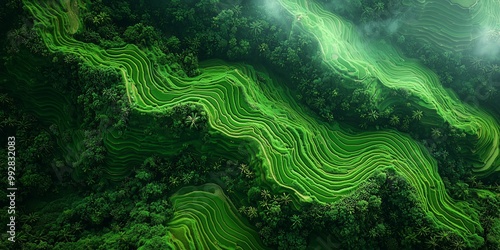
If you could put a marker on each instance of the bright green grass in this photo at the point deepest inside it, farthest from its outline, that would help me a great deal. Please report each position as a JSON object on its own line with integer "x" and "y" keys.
{"x": 345, "y": 51}
{"x": 314, "y": 159}
{"x": 204, "y": 218}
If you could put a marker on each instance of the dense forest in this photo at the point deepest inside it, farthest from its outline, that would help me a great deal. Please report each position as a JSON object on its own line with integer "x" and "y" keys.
{"x": 261, "y": 124}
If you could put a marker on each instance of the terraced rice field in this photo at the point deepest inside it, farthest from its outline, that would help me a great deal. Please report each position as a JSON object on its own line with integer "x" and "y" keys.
{"x": 345, "y": 51}
{"x": 315, "y": 160}
{"x": 206, "y": 219}
{"x": 452, "y": 25}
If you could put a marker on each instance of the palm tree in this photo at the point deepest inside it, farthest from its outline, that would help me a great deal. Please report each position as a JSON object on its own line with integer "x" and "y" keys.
{"x": 265, "y": 204}
{"x": 367, "y": 11}
{"x": 435, "y": 132}
{"x": 186, "y": 177}
{"x": 30, "y": 218}
{"x": 473, "y": 180}
{"x": 394, "y": 120}
{"x": 5, "y": 99}
{"x": 17, "y": 36}
{"x": 265, "y": 194}
{"x": 22, "y": 238}
{"x": 432, "y": 242}
{"x": 10, "y": 122}
{"x": 192, "y": 119}
{"x": 495, "y": 68}
{"x": 444, "y": 235}
{"x": 243, "y": 168}
{"x": 77, "y": 227}
{"x": 252, "y": 212}
{"x": 445, "y": 154}
{"x": 101, "y": 18}
{"x": 285, "y": 198}
{"x": 330, "y": 117}
{"x": 24, "y": 123}
{"x": 372, "y": 115}
{"x": 39, "y": 236}
{"x": 379, "y": 6}
{"x": 65, "y": 234}
{"x": 296, "y": 221}
{"x": 242, "y": 210}
{"x": 174, "y": 181}
{"x": 90, "y": 181}
{"x": 477, "y": 62}
{"x": 249, "y": 174}
{"x": 263, "y": 47}
{"x": 237, "y": 9}
{"x": 423, "y": 230}
{"x": 217, "y": 165}
{"x": 458, "y": 243}
{"x": 256, "y": 28}
{"x": 417, "y": 115}
{"x": 410, "y": 237}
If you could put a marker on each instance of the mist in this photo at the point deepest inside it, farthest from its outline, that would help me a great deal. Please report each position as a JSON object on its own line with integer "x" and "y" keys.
{"x": 381, "y": 28}
{"x": 487, "y": 46}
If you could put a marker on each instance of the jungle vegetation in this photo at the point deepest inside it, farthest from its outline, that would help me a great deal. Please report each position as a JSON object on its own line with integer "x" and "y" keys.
{"x": 214, "y": 124}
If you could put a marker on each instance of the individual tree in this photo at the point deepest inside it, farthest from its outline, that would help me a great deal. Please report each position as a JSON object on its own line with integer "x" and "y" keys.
{"x": 296, "y": 221}
{"x": 245, "y": 170}
{"x": 9, "y": 122}
{"x": 256, "y": 28}
{"x": 432, "y": 242}
{"x": 101, "y": 18}
{"x": 436, "y": 133}
{"x": 372, "y": 115}
{"x": 417, "y": 115}
{"x": 285, "y": 199}
{"x": 263, "y": 47}
{"x": 5, "y": 99}
{"x": 367, "y": 12}
{"x": 192, "y": 120}
{"x": 141, "y": 34}
{"x": 394, "y": 120}
{"x": 379, "y": 6}
{"x": 252, "y": 212}
{"x": 30, "y": 217}
{"x": 265, "y": 194}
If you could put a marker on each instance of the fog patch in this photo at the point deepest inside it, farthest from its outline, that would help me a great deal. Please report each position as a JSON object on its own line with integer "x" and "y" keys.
{"x": 381, "y": 28}
{"x": 488, "y": 44}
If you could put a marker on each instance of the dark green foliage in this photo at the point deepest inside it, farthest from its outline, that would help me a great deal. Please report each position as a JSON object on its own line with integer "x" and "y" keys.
{"x": 382, "y": 214}
{"x": 24, "y": 37}
{"x": 182, "y": 121}
{"x": 129, "y": 214}
{"x": 367, "y": 12}
{"x": 33, "y": 144}
{"x": 9, "y": 14}
{"x": 473, "y": 77}
{"x": 133, "y": 213}
{"x": 476, "y": 85}
{"x": 140, "y": 34}
{"x": 102, "y": 97}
